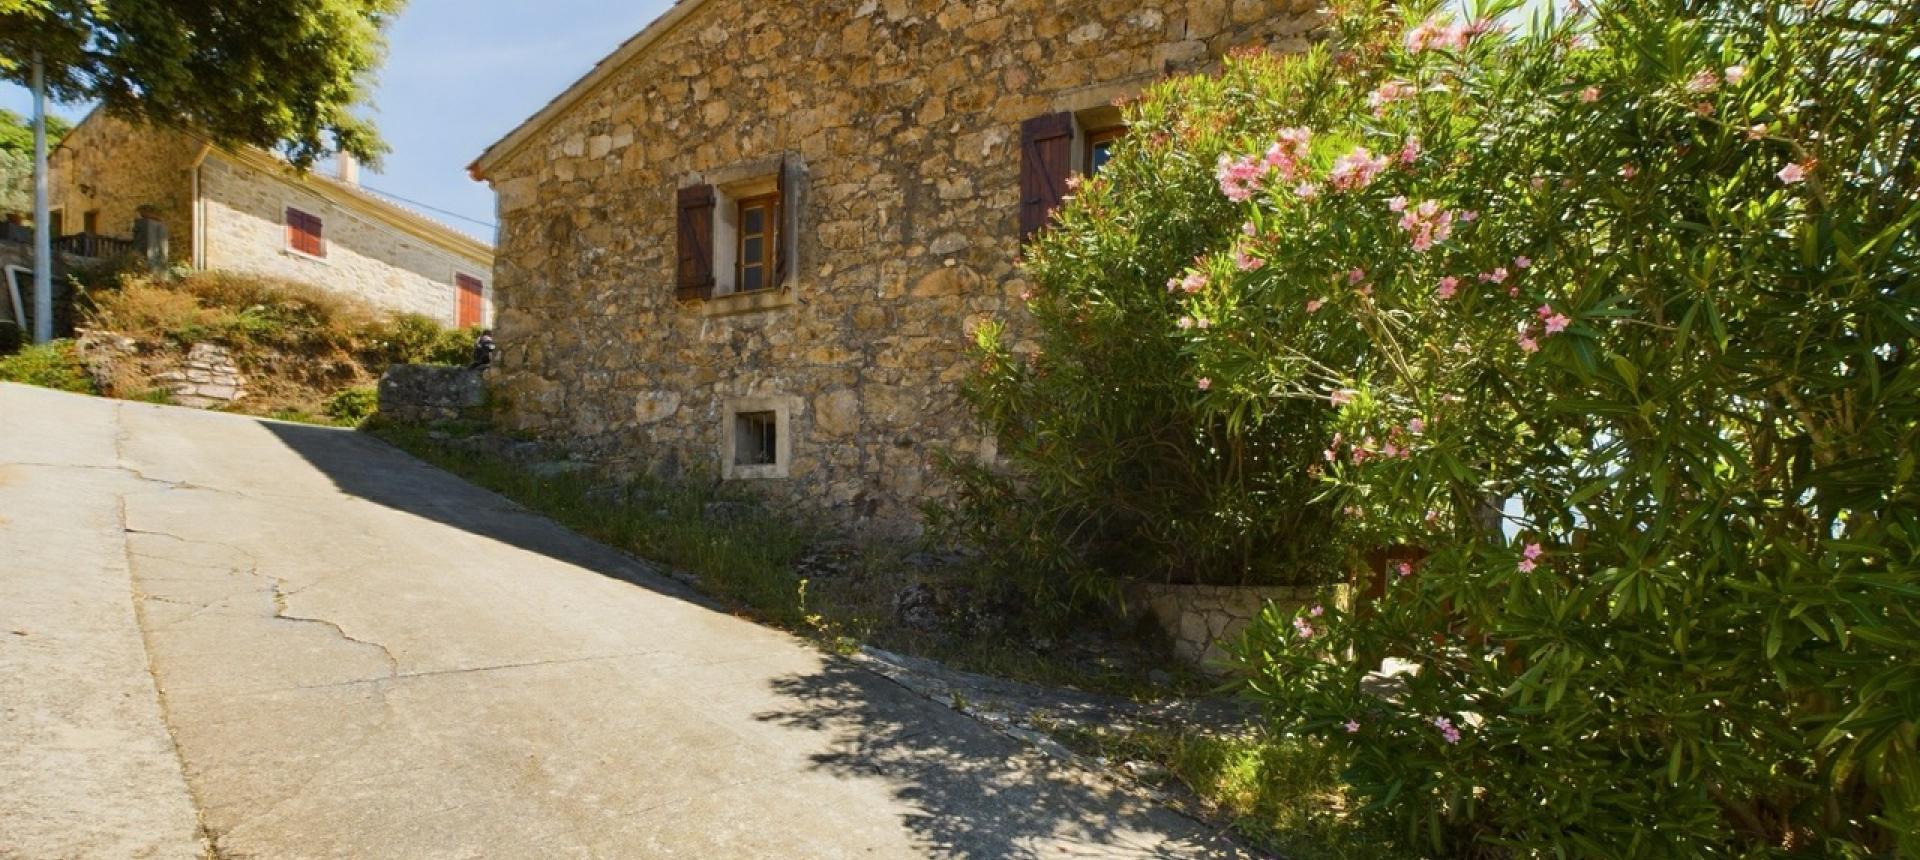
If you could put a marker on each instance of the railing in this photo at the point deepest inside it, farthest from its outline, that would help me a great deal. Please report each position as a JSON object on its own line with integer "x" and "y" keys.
{"x": 90, "y": 245}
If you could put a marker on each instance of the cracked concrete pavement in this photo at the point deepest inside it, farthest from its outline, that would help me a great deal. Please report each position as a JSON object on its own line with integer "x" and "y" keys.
{"x": 244, "y": 639}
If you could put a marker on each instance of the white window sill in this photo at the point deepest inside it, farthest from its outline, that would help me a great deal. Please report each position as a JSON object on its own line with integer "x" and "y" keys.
{"x": 764, "y": 472}
{"x": 302, "y": 255}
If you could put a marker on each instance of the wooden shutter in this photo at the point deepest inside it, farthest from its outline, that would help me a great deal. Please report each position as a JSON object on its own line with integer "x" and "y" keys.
{"x": 696, "y": 243}
{"x": 1046, "y": 157}
{"x": 784, "y": 237}
{"x": 304, "y": 233}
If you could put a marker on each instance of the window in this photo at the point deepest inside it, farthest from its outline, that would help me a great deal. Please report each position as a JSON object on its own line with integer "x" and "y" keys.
{"x": 759, "y": 246}
{"x": 90, "y": 222}
{"x": 57, "y": 222}
{"x": 470, "y": 301}
{"x": 756, "y": 438}
{"x": 305, "y": 233}
{"x": 1100, "y": 147}
{"x": 737, "y": 232}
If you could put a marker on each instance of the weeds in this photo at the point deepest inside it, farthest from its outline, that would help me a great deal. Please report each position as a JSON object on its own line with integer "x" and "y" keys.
{"x": 48, "y": 365}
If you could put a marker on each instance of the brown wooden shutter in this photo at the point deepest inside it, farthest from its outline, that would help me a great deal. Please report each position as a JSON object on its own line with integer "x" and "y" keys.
{"x": 1046, "y": 158}
{"x": 696, "y": 243}
{"x": 304, "y": 233}
{"x": 784, "y": 238}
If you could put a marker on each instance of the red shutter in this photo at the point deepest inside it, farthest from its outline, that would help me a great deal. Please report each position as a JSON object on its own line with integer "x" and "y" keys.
{"x": 471, "y": 307}
{"x": 304, "y": 233}
{"x": 1046, "y": 158}
{"x": 695, "y": 223}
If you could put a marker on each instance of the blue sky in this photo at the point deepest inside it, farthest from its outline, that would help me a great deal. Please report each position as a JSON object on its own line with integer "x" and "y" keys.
{"x": 459, "y": 75}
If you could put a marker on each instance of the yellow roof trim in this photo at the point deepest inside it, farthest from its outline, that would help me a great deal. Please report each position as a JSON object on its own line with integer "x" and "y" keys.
{"x": 586, "y": 86}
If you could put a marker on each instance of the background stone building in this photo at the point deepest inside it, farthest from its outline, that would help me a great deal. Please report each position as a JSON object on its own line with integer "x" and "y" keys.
{"x": 247, "y": 211}
{"x": 755, "y": 239}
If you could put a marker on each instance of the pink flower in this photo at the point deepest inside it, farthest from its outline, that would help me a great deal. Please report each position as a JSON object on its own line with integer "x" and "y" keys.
{"x": 1304, "y": 629}
{"x": 1238, "y": 178}
{"x": 1470, "y": 215}
{"x": 1497, "y": 276}
{"x": 1026, "y": 295}
{"x": 1202, "y": 323}
{"x": 1353, "y": 727}
{"x": 1427, "y": 223}
{"x": 1315, "y": 305}
{"x": 1703, "y": 81}
{"x": 1703, "y": 108}
{"x": 1416, "y": 426}
{"x": 1249, "y": 230}
{"x": 1404, "y": 569}
{"x": 1355, "y": 276}
{"x": 1388, "y": 93}
{"x": 1533, "y": 551}
{"x": 1317, "y": 611}
{"x": 1306, "y": 191}
{"x": 1628, "y": 171}
{"x": 1448, "y": 286}
{"x": 1356, "y": 169}
{"x": 1792, "y": 173}
{"x": 1447, "y": 731}
{"x": 1756, "y": 131}
{"x": 1523, "y": 262}
{"x": 1185, "y": 323}
{"x": 1410, "y": 151}
{"x": 1590, "y": 95}
{"x": 1734, "y": 75}
{"x": 1205, "y": 383}
{"x": 1433, "y": 34}
{"x": 1557, "y": 323}
{"x": 1194, "y": 282}
{"x": 1246, "y": 261}
{"x": 1528, "y": 344}
{"x": 1527, "y": 565}
{"x": 1397, "y": 204}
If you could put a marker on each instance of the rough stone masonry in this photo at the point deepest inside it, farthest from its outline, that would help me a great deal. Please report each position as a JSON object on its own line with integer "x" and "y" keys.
{"x": 900, "y": 123}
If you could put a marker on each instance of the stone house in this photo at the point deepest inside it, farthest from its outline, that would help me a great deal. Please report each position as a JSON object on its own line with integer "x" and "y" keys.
{"x": 753, "y": 241}
{"x": 246, "y": 210}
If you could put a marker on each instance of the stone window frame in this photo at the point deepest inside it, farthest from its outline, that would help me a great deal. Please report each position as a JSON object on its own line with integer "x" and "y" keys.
{"x": 1091, "y": 126}
{"x": 783, "y": 407}
{"x": 290, "y": 205}
{"x": 746, "y": 180}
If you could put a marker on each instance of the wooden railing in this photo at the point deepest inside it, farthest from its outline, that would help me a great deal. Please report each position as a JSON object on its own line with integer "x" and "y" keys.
{"x": 90, "y": 245}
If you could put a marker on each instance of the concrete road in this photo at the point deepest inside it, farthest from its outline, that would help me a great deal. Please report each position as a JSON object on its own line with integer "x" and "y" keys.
{"x": 243, "y": 639}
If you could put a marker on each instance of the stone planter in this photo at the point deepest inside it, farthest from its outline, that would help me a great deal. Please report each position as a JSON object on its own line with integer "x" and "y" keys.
{"x": 1202, "y": 619}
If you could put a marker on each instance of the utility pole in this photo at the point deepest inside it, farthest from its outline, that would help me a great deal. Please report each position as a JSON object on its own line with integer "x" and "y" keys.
{"x": 42, "y": 217}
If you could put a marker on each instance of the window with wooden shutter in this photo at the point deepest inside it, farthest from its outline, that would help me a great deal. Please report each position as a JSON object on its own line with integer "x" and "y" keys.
{"x": 789, "y": 239}
{"x": 1046, "y": 159}
{"x": 304, "y": 233}
{"x": 695, "y": 228}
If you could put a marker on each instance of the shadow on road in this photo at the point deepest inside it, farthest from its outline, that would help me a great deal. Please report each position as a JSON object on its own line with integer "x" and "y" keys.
{"x": 971, "y": 799}
{"x": 978, "y": 794}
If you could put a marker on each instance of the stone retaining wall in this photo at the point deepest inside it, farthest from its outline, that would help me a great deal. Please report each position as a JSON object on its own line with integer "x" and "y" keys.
{"x": 422, "y": 394}
{"x": 1201, "y": 619}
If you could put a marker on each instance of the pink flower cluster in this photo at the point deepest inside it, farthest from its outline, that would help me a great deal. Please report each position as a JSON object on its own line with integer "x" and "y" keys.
{"x": 1449, "y": 286}
{"x": 1240, "y": 178}
{"x": 1356, "y": 169}
{"x": 1434, "y": 34}
{"x": 1194, "y": 282}
{"x": 1303, "y": 628}
{"x": 1245, "y": 261}
{"x": 1447, "y": 731}
{"x": 1530, "y": 557}
{"x": 1388, "y": 93}
{"x": 1427, "y": 222}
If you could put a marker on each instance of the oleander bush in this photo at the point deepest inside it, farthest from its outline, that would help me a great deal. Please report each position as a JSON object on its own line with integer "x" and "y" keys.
{"x": 1608, "y": 318}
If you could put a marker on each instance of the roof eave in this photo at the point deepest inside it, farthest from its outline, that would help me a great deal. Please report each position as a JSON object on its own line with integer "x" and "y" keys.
{"x": 582, "y": 88}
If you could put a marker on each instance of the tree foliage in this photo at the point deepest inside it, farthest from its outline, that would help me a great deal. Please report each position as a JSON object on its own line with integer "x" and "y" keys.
{"x": 16, "y": 158}
{"x": 284, "y": 75}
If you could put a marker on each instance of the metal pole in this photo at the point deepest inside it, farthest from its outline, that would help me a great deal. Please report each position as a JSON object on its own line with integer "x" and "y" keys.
{"x": 42, "y": 218}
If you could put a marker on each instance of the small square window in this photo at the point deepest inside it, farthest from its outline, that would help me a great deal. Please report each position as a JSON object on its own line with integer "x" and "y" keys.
{"x": 305, "y": 233}
{"x": 756, "y": 440}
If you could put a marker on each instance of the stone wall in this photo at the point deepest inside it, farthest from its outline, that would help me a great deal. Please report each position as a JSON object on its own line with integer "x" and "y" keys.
{"x": 905, "y": 116}
{"x": 1202, "y": 619}
{"x": 244, "y": 216}
{"x": 114, "y": 167}
{"x": 423, "y": 394}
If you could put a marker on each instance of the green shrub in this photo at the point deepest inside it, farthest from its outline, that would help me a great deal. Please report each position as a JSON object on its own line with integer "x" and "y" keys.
{"x": 419, "y": 339}
{"x": 48, "y": 365}
{"x": 1615, "y": 322}
{"x": 353, "y": 405}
